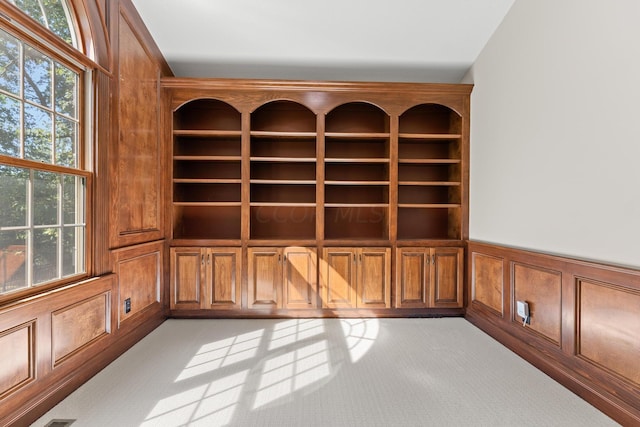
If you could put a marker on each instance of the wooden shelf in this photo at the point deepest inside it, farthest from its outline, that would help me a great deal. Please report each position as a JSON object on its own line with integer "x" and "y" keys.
{"x": 430, "y": 161}
{"x": 210, "y": 204}
{"x": 429, "y": 183}
{"x": 283, "y": 181}
{"x": 356, "y": 205}
{"x": 357, "y": 135}
{"x": 428, "y": 205}
{"x": 356, "y": 182}
{"x": 356, "y": 160}
{"x": 202, "y": 241}
{"x": 206, "y": 133}
{"x": 283, "y": 204}
{"x": 430, "y": 136}
{"x": 209, "y": 158}
{"x": 206, "y": 181}
{"x": 283, "y": 135}
{"x": 282, "y": 242}
{"x": 284, "y": 159}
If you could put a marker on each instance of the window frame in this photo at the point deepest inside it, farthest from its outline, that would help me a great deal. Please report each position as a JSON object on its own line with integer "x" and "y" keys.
{"x": 31, "y": 33}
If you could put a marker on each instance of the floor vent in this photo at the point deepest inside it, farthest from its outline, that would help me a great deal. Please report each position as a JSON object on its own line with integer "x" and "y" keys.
{"x": 59, "y": 423}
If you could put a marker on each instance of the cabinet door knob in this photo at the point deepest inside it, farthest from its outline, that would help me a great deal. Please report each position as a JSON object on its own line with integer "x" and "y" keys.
{"x": 433, "y": 259}
{"x": 208, "y": 259}
{"x": 202, "y": 261}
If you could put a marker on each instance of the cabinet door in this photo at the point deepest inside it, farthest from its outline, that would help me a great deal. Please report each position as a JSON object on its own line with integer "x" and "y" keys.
{"x": 412, "y": 278}
{"x": 374, "y": 278}
{"x": 446, "y": 277}
{"x": 186, "y": 277}
{"x": 300, "y": 278}
{"x": 223, "y": 278}
{"x": 265, "y": 278}
{"x": 338, "y": 271}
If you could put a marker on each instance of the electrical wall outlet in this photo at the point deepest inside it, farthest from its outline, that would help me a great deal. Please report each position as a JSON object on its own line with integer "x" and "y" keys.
{"x": 127, "y": 305}
{"x": 522, "y": 308}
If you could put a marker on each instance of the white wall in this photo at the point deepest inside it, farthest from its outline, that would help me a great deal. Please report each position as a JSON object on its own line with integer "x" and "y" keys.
{"x": 555, "y": 130}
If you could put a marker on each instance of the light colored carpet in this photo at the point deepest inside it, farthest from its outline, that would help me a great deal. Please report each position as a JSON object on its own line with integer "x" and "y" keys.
{"x": 322, "y": 372}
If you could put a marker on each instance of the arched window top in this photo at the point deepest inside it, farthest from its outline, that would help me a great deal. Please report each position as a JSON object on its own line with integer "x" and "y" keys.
{"x": 54, "y": 15}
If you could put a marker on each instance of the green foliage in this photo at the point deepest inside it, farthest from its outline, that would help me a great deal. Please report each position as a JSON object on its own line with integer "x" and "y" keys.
{"x": 50, "y": 14}
{"x": 40, "y": 209}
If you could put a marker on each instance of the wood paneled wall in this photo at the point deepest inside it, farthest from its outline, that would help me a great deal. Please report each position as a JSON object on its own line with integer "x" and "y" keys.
{"x": 137, "y": 161}
{"x": 52, "y": 342}
{"x": 584, "y": 325}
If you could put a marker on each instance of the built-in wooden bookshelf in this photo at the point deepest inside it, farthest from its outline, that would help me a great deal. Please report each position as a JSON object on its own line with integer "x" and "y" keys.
{"x": 328, "y": 168}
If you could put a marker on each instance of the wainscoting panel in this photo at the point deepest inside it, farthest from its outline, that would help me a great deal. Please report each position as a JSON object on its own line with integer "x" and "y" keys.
{"x": 139, "y": 270}
{"x": 585, "y": 320}
{"x": 487, "y": 285}
{"x": 17, "y": 366}
{"x": 542, "y": 290}
{"x": 76, "y": 326}
{"x": 609, "y": 332}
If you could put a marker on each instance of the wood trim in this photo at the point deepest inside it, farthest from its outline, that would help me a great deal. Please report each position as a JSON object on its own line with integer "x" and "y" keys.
{"x": 304, "y": 85}
{"x": 392, "y": 98}
{"x": 465, "y": 157}
{"x": 102, "y": 137}
{"x": 587, "y": 340}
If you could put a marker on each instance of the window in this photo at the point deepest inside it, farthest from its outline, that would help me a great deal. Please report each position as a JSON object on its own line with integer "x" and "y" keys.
{"x": 51, "y": 14}
{"x": 43, "y": 184}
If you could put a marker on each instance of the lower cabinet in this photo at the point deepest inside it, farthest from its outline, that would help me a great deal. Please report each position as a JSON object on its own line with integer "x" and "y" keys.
{"x": 206, "y": 278}
{"x": 282, "y": 278}
{"x": 356, "y": 277}
{"x": 429, "y": 277}
{"x": 287, "y": 278}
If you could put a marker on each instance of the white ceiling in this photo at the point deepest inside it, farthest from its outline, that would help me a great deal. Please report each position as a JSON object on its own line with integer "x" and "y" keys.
{"x": 362, "y": 40}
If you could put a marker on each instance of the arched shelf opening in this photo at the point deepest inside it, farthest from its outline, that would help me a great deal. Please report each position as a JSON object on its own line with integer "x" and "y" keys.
{"x": 207, "y": 170}
{"x": 357, "y": 172}
{"x": 430, "y": 119}
{"x": 283, "y": 172}
{"x": 429, "y": 173}
{"x": 207, "y": 114}
{"x": 283, "y": 116}
{"x": 357, "y": 117}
